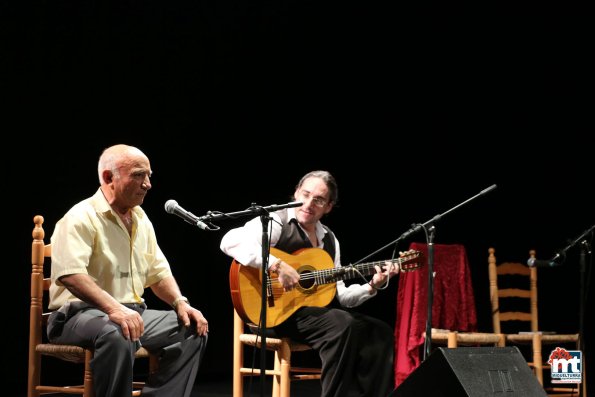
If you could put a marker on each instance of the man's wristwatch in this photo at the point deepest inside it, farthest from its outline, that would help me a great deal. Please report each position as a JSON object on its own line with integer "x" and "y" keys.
{"x": 179, "y": 299}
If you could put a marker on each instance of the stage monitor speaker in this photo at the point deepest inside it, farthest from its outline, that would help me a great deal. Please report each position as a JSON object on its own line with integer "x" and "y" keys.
{"x": 472, "y": 372}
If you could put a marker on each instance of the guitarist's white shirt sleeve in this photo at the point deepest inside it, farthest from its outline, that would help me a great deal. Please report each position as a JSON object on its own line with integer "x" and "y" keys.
{"x": 355, "y": 294}
{"x": 244, "y": 243}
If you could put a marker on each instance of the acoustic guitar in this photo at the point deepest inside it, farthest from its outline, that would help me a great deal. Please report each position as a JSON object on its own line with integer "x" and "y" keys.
{"x": 317, "y": 285}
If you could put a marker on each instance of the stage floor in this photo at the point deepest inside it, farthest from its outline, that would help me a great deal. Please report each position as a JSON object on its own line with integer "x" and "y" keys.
{"x": 223, "y": 388}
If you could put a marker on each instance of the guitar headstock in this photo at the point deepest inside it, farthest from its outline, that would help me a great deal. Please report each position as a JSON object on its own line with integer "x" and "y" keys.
{"x": 411, "y": 260}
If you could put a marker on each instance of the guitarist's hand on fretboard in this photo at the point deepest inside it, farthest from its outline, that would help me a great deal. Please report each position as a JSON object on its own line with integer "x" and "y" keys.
{"x": 382, "y": 275}
{"x": 389, "y": 270}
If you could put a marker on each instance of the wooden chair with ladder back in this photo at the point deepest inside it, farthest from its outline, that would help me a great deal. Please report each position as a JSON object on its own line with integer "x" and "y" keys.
{"x": 514, "y": 302}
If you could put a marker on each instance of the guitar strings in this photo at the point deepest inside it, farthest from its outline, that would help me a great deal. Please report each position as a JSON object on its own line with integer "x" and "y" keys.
{"x": 329, "y": 275}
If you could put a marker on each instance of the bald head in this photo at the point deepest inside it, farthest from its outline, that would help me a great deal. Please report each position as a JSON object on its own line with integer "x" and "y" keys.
{"x": 115, "y": 156}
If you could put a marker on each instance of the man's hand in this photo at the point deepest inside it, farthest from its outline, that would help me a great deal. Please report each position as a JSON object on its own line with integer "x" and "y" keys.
{"x": 287, "y": 275}
{"x": 130, "y": 322}
{"x": 189, "y": 315}
{"x": 389, "y": 270}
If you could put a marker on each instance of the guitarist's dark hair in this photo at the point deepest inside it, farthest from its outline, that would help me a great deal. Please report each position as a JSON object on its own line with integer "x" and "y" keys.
{"x": 330, "y": 181}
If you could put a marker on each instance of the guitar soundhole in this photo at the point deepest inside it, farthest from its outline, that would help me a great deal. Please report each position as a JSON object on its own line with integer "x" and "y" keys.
{"x": 307, "y": 281}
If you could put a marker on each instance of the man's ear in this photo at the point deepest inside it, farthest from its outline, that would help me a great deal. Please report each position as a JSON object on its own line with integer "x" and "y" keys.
{"x": 107, "y": 176}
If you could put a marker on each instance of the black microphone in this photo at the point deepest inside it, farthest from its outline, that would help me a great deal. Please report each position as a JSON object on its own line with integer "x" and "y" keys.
{"x": 532, "y": 262}
{"x": 172, "y": 207}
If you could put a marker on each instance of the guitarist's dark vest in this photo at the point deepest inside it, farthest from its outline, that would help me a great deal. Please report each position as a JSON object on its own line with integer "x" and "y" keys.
{"x": 293, "y": 238}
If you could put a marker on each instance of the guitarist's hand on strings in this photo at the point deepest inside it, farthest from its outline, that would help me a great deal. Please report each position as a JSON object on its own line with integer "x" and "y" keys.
{"x": 286, "y": 275}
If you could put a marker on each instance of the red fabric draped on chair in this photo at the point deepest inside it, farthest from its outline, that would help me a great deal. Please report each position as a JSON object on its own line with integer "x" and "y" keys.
{"x": 453, "y": 304}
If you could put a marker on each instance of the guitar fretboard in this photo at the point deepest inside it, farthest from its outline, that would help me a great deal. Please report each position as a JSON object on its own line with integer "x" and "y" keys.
{"x": 346, "y": 272}
{"x": 326, "y": 276}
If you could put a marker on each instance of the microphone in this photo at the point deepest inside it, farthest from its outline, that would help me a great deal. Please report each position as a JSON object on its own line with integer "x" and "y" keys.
{"x": 532, "y": 262}
{"x": 172, "y": 207}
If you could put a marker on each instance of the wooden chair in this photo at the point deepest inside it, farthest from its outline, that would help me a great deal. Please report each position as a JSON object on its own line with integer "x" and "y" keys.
{"x": 453, "y": 339}
{"x": 283, "y": 372}
{"x": 513, "y": 296}
{"x": 38, "y": 345}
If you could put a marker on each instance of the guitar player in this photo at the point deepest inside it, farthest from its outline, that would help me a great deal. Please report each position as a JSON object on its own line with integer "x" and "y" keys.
{"x": 356, "y": 350}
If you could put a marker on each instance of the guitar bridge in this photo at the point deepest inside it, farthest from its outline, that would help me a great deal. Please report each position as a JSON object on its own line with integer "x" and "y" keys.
{"x": 271, "y": 301}
{"x": 270, "y": 296}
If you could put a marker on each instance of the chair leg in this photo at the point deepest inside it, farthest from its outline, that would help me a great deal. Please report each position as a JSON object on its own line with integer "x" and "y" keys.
{"x": 238, "y": 357}
{"x": 452, "y": 339}
{"x": 153, "y": 364}
{"x": 88, "y": 376}
{"x": 583, "y": 385}
{"x": 538, "y": 364}
{"x": 501, "y": 340}
{"x": 284, "y": 363}
{"x": 238, "y": 378}
{"x": 34, "y": 376}
{"x": 277, "y": 376}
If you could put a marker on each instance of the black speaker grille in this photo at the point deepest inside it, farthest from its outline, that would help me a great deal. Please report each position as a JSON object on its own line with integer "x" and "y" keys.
{"x": 472, "y": 372}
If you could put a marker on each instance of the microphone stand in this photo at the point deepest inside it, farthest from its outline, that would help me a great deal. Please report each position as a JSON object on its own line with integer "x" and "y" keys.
{"x": 585, "y": 249}
{"x": 429, "y": 226}
{"x": 265, "y": 218}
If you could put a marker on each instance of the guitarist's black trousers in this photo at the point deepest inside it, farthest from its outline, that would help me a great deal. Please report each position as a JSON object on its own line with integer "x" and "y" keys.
{"x": 356, "y": 350}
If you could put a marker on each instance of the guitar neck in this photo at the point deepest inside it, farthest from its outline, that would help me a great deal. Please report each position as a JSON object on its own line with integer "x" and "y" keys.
{"x": 347, "y": 272}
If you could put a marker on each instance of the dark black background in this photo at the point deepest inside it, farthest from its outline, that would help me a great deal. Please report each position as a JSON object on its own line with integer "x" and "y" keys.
{"x": 414, "y": 109}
